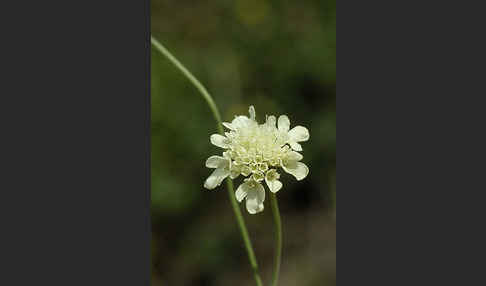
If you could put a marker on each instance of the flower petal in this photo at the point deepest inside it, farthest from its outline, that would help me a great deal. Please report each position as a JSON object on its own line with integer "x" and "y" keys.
{"x": 271, "y": 120}
{"x": 283, "y": 123}
{"x": 235, "y": 171}
{"x": 251, "y": 110}
{"x": 299, "y": 133}
{"x": 273, "y": 185}
{"x": 219, "y": 140}
{"x": 245, "y": 170}
{"x": 254, "y": 209}
{"x": 216, "y": 162}
{"x": 255, "y": 197}
{"x": 216, "y": 178}
{"x": 297, "y": 169}
{"x": 241, "y": 122}
{"x": 294, "y": 145}
{"x": 294, "y": 156}
{"x": 228, "y": 125}
{"x": 241, "y": 192}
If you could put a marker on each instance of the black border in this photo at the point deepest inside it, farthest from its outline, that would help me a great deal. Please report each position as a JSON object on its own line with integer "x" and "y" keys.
{"x": 75, "y": 129}
{"x": 411, "y": 149}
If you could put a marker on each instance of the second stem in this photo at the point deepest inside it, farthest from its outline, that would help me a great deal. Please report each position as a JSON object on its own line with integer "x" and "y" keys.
{"x": 278, "y": 238}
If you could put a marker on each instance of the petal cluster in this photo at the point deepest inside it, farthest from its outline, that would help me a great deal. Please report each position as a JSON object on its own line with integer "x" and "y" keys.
{"x": 256, "y": 151}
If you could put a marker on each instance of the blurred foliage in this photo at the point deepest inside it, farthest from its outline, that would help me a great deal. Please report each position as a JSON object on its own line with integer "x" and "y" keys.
{"x": 279, "y": 56}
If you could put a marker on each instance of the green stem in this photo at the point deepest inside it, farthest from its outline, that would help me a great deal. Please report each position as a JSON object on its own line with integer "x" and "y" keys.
{"x": 244, "y": 232}
{"x": 217, "y": 117}
{"x": 278, "y": 238}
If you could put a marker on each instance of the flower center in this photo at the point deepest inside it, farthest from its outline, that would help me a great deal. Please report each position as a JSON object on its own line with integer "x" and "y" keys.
{"x": 255, "y": 148}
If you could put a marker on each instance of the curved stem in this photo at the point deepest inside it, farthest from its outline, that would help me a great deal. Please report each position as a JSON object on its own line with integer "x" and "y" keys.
{"x": 217, "y": 117}
{"x": 192, "y": 79}
{"x": 278, "y": 238}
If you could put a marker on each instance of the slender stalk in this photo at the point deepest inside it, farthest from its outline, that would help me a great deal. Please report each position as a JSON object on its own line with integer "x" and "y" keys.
{"x": 244, "y": 232}
{"x": 217, "y": 117}
{"x": 278, "y": 238}
{"x": 192, "y": 79}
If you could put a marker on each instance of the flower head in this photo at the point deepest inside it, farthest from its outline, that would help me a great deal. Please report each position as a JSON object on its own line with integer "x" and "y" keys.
{"x": 257, "y": 151}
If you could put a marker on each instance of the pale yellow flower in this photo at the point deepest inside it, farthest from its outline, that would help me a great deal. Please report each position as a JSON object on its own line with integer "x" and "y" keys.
{"x": 256, "y": 151}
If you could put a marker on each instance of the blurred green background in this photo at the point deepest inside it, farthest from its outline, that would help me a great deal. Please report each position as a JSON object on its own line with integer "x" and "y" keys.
{"x": 279, "y": 56}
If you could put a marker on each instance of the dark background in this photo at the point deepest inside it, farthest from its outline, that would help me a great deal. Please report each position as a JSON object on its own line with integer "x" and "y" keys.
{"x": 279, "y": 56}
{"x": 74, "y": 129}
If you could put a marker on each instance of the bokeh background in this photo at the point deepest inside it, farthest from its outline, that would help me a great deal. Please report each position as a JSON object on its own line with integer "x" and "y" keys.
{"x": 279, "y": 56}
